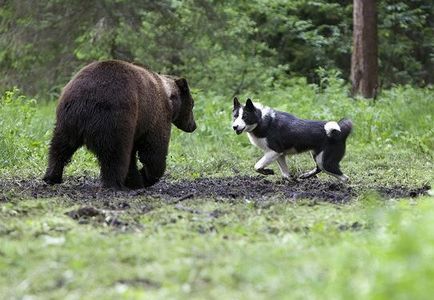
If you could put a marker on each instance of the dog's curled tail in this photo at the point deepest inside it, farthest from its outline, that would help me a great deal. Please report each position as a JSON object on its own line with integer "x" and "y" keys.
{"x": 338, "y": 130}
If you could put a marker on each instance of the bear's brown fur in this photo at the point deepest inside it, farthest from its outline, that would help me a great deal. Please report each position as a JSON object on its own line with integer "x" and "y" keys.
{"x": 118, "y": 109}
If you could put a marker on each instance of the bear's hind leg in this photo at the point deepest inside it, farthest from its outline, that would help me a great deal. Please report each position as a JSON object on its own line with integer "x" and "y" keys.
{"x": 61, "y": 150}
{"x": 111, "y": 137}
{"x": 114, "y": 165}
{"x": 134, "y": 179}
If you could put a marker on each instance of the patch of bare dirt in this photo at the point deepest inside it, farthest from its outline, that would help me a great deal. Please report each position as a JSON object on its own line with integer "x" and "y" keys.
{"x": 86, "y": 189}
{"x": 121, "y": 210}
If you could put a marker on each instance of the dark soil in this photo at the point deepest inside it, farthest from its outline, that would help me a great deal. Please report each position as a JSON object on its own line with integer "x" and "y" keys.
{"x": 122, "y": 210}
{"x": 85, "y": 190}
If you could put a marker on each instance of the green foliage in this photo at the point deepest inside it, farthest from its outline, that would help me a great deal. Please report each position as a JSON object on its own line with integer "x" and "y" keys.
{"x": 226, "y": 47}
{"x": 406, "y": 39}
{"x": 16, "y": 114}
{"x": 25, "y": 132}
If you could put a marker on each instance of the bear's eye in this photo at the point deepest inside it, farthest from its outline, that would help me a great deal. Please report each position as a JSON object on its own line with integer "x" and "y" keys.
{"x": 172, "y": 97}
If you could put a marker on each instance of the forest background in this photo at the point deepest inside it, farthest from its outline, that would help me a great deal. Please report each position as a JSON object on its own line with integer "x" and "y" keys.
{"x": 227, "y": 46}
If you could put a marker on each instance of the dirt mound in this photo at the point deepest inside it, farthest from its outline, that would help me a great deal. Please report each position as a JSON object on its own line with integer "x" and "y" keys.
{"x": 84, "y": 189}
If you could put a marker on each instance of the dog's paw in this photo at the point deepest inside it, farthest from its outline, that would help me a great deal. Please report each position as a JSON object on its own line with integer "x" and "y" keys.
{"x": 286, "y": 177}
{"x": 265, "y": 171}
{"x": 344, "y": 178}
{"x": 306, "y": 176}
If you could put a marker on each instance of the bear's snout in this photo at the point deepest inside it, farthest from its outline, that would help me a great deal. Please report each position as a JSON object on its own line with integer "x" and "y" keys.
{"x": 191, "y": 127}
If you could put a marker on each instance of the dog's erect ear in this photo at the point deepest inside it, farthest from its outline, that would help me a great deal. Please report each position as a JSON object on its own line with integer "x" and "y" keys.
{"x": 249, "y": 105}
{"x": 236, "y": 103}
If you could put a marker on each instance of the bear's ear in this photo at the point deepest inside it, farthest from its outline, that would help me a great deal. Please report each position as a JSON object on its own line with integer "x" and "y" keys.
{"x": 249, "y": 105}
{"x": 182, "y": 84}
{"x": 236, "y": 103}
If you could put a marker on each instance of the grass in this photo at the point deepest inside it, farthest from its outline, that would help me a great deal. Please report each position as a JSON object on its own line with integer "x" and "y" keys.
{"x": 370, "y": 248}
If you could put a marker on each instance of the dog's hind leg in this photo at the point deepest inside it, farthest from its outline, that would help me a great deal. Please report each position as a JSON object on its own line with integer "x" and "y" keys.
{"x": 331, "y": 167}
{"x": 267, "y": 159}
{"x": 312, "y": 172}
{"x": 283, "y": 166}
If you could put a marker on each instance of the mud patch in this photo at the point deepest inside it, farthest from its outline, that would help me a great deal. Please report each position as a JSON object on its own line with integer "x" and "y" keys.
{"x": 402, "y": 191}
{"x": 84, "y": 212}
{"x": 139, "y": 283}
{"x": 85, "y": 190}
{"x": 90, "y": 214}
{"x": 252, "y": 188}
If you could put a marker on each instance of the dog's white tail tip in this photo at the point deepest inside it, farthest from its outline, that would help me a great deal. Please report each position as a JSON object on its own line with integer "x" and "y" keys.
{"x": 330, "y": 126}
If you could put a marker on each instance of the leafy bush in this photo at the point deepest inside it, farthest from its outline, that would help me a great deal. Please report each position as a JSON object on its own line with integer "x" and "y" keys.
{"x": 18, "y": 140}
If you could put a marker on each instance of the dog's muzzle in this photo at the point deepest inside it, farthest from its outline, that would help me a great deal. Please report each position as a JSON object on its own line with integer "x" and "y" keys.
{"x": 237, "y": 130}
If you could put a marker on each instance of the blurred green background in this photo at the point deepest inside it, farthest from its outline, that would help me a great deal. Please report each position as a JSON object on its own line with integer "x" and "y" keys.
{"x": 224, "y": 46}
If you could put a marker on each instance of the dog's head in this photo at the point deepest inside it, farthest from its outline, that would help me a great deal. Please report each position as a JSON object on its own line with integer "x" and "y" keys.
{"x": 245, "y": 118}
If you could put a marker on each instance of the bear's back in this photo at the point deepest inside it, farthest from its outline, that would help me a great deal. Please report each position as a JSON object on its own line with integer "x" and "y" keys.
{"x": 114, "y": 88}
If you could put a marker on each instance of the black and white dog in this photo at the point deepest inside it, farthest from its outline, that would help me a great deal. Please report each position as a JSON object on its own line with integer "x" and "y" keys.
{"x": 280, "y": 134}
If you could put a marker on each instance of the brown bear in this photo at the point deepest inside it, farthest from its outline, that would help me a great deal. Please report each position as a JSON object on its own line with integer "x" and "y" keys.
{"x": 118, "y": 109}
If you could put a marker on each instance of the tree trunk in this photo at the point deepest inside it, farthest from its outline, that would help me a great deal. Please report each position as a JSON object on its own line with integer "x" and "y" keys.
{"x": 364, "y": 60}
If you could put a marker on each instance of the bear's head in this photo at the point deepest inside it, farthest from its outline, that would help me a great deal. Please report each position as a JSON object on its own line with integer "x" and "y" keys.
{"x": 183, "y": 103}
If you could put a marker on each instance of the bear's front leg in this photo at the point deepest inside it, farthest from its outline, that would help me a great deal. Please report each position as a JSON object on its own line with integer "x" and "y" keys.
{"x": 267, "y": 159}
{"x": 134, "y": 179}
{"x": 153, "y": 169}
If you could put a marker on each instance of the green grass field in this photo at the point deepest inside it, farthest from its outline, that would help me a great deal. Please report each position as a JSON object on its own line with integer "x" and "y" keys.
{"x": 208, "y": 248}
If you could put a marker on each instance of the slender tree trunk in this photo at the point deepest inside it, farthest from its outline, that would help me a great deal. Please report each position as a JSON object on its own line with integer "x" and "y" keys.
{"x": 364, "y": 60}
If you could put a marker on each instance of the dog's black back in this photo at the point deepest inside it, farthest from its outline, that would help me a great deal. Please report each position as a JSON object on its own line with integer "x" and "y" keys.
{"x": 284, "y": 132}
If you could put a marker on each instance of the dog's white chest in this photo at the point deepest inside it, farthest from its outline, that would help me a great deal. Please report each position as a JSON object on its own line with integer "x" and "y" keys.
{"x": 261, "y": 143}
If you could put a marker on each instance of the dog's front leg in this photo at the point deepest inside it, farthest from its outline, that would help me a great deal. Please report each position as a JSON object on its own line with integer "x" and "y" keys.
{"x": 267, "y": 159}
{"x": 283, "y": 166}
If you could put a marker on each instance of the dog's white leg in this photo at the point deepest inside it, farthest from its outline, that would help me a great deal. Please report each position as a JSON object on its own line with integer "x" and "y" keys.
{"x": 283, "y": 166}
{"x": 318, "y": 160}
{"x": 267, "y": 159}
{"x": 310, "y": 173}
